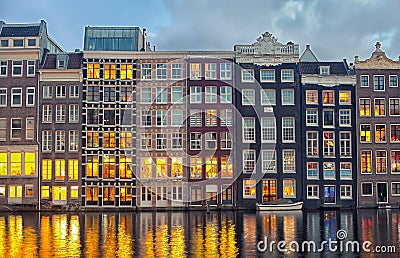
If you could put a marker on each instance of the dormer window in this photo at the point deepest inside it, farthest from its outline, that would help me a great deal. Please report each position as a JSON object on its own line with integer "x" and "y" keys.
{"x": 61, "y": 64}
{"x": 324, "y": 70}
{"x": 4, "y": 43}
{"x": 31, "y": 42}
{"x": 18, "y": 43}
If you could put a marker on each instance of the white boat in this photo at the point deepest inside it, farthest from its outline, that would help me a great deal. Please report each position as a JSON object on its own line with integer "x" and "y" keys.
{"x": 279, "y": 207}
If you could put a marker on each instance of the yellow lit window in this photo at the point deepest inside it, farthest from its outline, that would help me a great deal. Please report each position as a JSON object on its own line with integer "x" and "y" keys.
{"x": 45, "y": 192}
{"x": 73, "y": 169}
{"x": 92, "y": 139}
{"x": 289, "y": 188}
{"x": 108, "y": 194}
{"x": 177, "y": 167}
{"x": 92, "y": 194}
{"x": 3, "y": 164}
{"x": 92, "y": 166}
{"x": 28, "y": 190}
{"x": 93, "y": 71}
{"x": 47, "y": 167}
{"x": 109, "y": 71}
{"x": 366, "y": 162}
{"x": 365, "y": 107}
{"x": 59, "y": 193}
{"x": 344, "y": 97}
{"x": 74, "y": 192}
{"x": 365, "y": 133}
{"x": 211, "y": 167}
{"x": 109, "y": 140}
{"x": 226, "y": 166}
{"x": 109, "y": 166}
{"x": 15, "y": 191}
{"x": 147, "y": 165}
{"x": 161, "y": 167}
{"x": 249, "y": 188}
{"x": 126, "y": 72}
{"x": 125, "y": 140}
{"x": 30, "y": 163}
{"x": 196, "y": 168}
{"x": 125, "y": 167}
{"x": 60, "y": 169}
{"x": 16, "y": 164}
{"x": 125, "y": 194}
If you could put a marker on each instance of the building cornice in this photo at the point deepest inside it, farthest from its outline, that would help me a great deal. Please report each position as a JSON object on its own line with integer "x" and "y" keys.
{"x": 378, "y": 60}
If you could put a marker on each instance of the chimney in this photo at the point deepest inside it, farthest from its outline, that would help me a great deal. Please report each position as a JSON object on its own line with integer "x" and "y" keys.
{"x": 154, "y": 48}
{"x": 144, "y": 39}
{"x": 308, "y": 46}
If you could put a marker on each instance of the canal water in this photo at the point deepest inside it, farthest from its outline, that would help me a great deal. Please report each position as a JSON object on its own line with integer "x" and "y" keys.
{"x": 200, "y": 234}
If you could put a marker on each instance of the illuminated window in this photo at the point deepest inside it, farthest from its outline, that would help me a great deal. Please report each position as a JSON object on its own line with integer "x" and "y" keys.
{"x": 196, "y": 167}
{"x": 379, "y": 83}
{"x": 329, "y": 144}
{"x": 380, "y": 133}
{"x": 108, "y": 194}
{"x": 248, "y": 97}
{"x": 47, "y": 169}
{"x": 329, "y": 170}
{"x": 268, "y": 97}
{"x": 364, "y": 80}
{"x": 125, "y": 194}
{"x": 195, "y": 71}
{"x": 394, "y": 133}
{"x": 15, "y": 191}
{"x": 344, "y": 97}
{"x": 73, "y": 169}
{"x": 109, "y": 71}
{"x": 381, "y": 162}
{"x": 328, "y": 97}
{"x": 60, "y": 169}
{"x": 249, "y": 161}
{"x": 365, "y": 133}
{"x": 379, "y": 107}
{"x": 287, "y": 75}
{"x": 125, "y": 140}
{"x": 247, "y": 75}
{"x": 312, "y": 170}
{"x": 210, "y": 71}
{"x": 289, "y": 161}
{"x": 29, "y": 164}
{"x": 249, "y": 188}
{"x": 211, "y": 117}
{"x": 126, "y": 72}
{"x": 92, "y": 166}
{"x": 161, "y": 71}
{"x": 28, "y": 190}
{"x": 365, "y": 107}
{"x": 268, "y": 161}
{"x": 311, "y": 97}
{"x": 226, "y": 166}
{"x": 147, "y": 168}
{"x": 176, "y": 167}
{"x": 176, "y": 71}
{"x": 125, "y": 167}
{"x": 395, "y": 162}
{"x": 108, "y": 166}
{"x": 287, "y": 96}
{"x": 74, "y": 192}
{"x": 3, "y": 164}
{"x": 92, "y": 194}
{"x": 210, "y": 94}
{"x": 93, "y": 71}
{"x": 211, "y": 167}
{"x": 289, "y": 188}
{"x": 109, "y": 140}
{"x": 366, "y": 161}
{"x": 16, "y": 164}
{"x": 225, "y": 71}
{"x": 92, "y": 140}
{"x": 45, "y": 192}
{"x": 161, "y": 167}
{"x": 60, "y": 140}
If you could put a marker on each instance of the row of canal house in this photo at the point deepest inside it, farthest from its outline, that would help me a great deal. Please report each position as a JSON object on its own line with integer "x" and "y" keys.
{"x": 120, "y": 126}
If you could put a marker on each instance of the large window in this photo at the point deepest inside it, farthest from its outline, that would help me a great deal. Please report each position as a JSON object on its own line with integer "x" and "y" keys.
{"x": 287, "y": 75}
{"x": 61, "y": 91}
{"x": 268, "y": 129}
{"x": 289, "y": 161}
{"x": 311, "y": 117}
{"x": 312, "y": 191}
{"x": 249, "y": 161}
{"x": 16, "y": 164}
{"x": 365, "y": 107}
{"x": 195, "y": 141}
{"x": 249, "y": 188}
{"x": 161, "y": 118}
{"x": 176, "y": 117}
{"x": 30, "y": 163}
{"x": 381, "y": 160}
{"x": 345, "y": 117}
{"x": 328, "y": 97}
{"x": 3, "y": 68}
{"x": 268, "y": 97}
{"x": 126, "y": 72}
{"x": 366, "y": 161}
{"x": 93, "y": 94}
{"x": 47, "y": 113}
{"x": 287, "y": 96}
{"x": 394, "y": 107}
{"x": 196, "y": 164}
{"x": 73, "y": 170}
{"x": 93, "y": 71}
{"x": 161, "y": 95}
{"x": 30, "y": 128}
{"x": 176, "y": 71}
{"x": 289, "y": 188}
{"x": 161, "y": 71}
{"x": 312, "y": 170}
{"x": 267, "y": 75}
{"x": 146, "y": 118}
{"x": 147, "y": 168}
{"x": 345, "y": 170}
{"x": 60, "y": 140}
{"x": 211, "y": 117}
{"x": 249, "y": 129}
{"x": 109, "y": 139}
{"x": 108, "y": 166}
{"x": 329, "y": 118}
{"x": 365, "y": 133}
{"x": 329, "y": 170}
{"x": 60, "y": 169}
{"x": 311, "y": 97}
{"x": 16, "y": 97}
{"x": 146, "y": 141}
{"x": 226, "y": 141}
{"x": 161, "y": 141}
{"x": 16, "y": 128}
{"x": 225, "y": 71}
{"x": 3, "y": 129}
{"x": 30, "y": 96}
{"x": 73, "y": 140}
{"x": 345, "y": 191}
{"x": 92, "y": 140}
{"x": 248, "y": 97}
{"x": 312, "y": 143}
{"x": 146, "y": 71}
{"x": 344, "y": 97}
{"x": 161, "y": 167}
{"x": 225, "y": 94}
{"x": 3, "y": 164}
{"x": 211, "y": 140}
{"x": 109, "y": 71}
{"x": 210, "y": 71}
{"x": 366, "y": 189}
{"x": 125, "y": 167}
{"x": 176, "y": 94}
{"x": 109, "y": 117}
{"x": 364, "y": 80}
{"x": 395, "y": 161}
{"x": 17, "y": 68}
{"x": 379, "y": 107}
{"x": 226, "y": 117}
{"x": 379, "y": 82}
{"x": 211, "y": 167}
{"x": 195, "y": 94}
{"x": 60, "y": 113}
{"x": 394, "y": 133}
{"x": 108, "y": 94}
{"x": 46, "y": 140}
{"x": 195, "y": 71}
{"x": 247, "y": 75}
{"x": 195, "y": 118}
{"x": 288, "y": 129}
{"x": 92, "y": 166}
{"x": 73, "y": 113}
{"x": 47, "y": 169}
{"x": 380, "y": 133}
{"x": 345, "y": 144}
{"x": 268, "y": 161}
{"x": 329, "y": 144}
{"x": 226, "y": 167}
{"x": 176, "y": 141}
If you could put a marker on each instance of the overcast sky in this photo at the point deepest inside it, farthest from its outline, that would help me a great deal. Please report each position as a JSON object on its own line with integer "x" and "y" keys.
{"x": 336, "y": 29}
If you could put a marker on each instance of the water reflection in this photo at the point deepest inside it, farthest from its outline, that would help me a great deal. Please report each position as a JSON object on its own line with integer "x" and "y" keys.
{"x": 188, "y": 234}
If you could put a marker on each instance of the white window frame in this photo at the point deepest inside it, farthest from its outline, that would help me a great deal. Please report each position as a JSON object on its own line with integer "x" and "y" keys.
{"x": 226, "y": 140}
{"x": 340, "y": 171}
{"x": 247, "y": 75}
{"x": 226, "y": 117}
{"x": 314, "y": 192}
{"x": 161, "y": 72}
{"x": 390, "y": 81}
{"x": 328, "y": 177}
{"x": 210, "y": 94}
{"x": 314, "y": 95}
{"x": 294, "y": 187}
{"x": 249, "y": 132}
{"x": 347, "y": 143}
{"x": 47, "y": 114}
{"x": 30, "y": 93}
{"x": 265, "y": 97}
{"x": 60, "y": 113}
{"x": 14, "y": 65}
{"x": 267, "y": 77}
{"x": 286, "y": 129}
{"x": 145, "y": 71}
{"x": 283, "y": 96}
{"x": 372, "y": 189}
{"x": 47, "y": 140}
{"x": 176, "y": 90}
{"x": 345, "y": 92}
{"x": 249, "y": 156}
{"x": 30, "y": 127}
{"x": 195, "y": 94}
{"x": 31, "y": 64}
{"x": 73, "y": 91}
{"x": 14, "y": 93}
{"x": 342, "y": 115}
{"x": 311, "y": 143}
{"x": 361, "y": 80}
{"x": 311, "y": 116}
{"x": 225, "y": 71}
{"x": 250, "y": 184}
{"x": 268, "y": 161}
{"x": 73, "y": 140}
{"x": 268, "y": 129}
{"x": 195, "y": 141}
{"x": 176, "y": 117}
{"x": 60, "y": 91}
{"x": 210, "y": 138}
{"x": 285, "y": 165}
{"x": 59, "y": 143}
{"x": 176, "y": 71}
{"x": 312, "y": 177}
{"x": 195, "y": 71}
{"x": 328, "y": 153}
{"x": 196, "y": 118}
{"x": 163, "y": 121}
{"x": 384, "y": 86}
{"x": 285, "y": 73}
{"x": 47, "y": 92}
{"x": 348, "y": 192}
{"x": 210, "y": 71}
{"x": 225, "y": 94}
{"x": 248, "y": 97}
{"x": 3, "y": 95}
{"x": 161, "y": 95}
{"x": 73, "y": 111}
{"x": 3, "y": 67}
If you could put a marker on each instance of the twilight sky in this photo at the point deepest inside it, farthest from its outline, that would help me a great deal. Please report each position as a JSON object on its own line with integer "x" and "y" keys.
{"x": 336, "y": 29}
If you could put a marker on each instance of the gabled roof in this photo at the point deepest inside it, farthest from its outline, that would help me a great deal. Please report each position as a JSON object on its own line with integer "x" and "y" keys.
{"x": 335, "y": 68}
{"x": 20, "y": 30}
{"x": 73, "y": 61}
{"x": 308, "y": 55}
